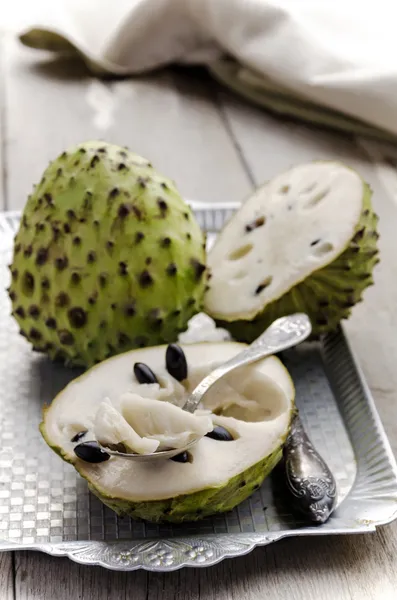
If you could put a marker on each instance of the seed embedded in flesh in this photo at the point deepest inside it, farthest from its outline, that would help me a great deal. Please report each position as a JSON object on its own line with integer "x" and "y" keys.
{"x": 78, "y": 436}
{"x": 220, "y": 433}
{"x": 144, "y": 374}
{"x": 183, "y": 457}
{"x": 255, "y": 224}
{"x": 175, "y": 362}
{"x": 91, "y": 452}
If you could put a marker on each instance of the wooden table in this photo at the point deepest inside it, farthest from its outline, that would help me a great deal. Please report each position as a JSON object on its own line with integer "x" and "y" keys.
{"x": 217, "y": 148}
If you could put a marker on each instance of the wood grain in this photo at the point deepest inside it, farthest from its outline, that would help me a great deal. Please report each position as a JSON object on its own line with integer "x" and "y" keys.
{"x": 167, "y": 117}
{"x": 40, "y": 577}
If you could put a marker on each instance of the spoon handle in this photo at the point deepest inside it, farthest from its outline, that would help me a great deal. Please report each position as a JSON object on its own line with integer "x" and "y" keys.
{"x": 307, "y": 476}
{"x": 282, "y": 334}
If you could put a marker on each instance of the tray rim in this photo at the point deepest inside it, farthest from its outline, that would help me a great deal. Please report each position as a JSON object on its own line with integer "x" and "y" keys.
{"x": 147, "y": 554}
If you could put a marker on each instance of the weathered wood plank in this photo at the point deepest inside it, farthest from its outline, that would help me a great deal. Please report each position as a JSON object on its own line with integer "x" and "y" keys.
{"x": 168, "y": 117}
{"x": 40, "y": 577}
{"x": 6, "y": 576}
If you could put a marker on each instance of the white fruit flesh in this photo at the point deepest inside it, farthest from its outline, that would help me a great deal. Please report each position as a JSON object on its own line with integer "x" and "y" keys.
{"x": 145, "y": 425}
{"x": 298, "y": 231}
{"x": 253, "y": 404}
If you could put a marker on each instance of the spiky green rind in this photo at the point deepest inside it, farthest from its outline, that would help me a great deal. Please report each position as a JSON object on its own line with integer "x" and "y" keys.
{"x": 108, "y": 257}
{"x": 328, "y": 295}
{"x": 187, "y": 507}
{"x": 198, "y": 505}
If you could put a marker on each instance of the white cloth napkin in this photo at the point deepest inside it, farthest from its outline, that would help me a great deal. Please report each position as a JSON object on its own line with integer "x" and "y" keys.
{"x": 328, "y": 61}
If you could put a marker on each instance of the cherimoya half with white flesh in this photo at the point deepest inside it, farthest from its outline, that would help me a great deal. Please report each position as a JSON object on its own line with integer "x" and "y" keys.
{"x": 304, "y": 242}
{"x": 254, "y": 404}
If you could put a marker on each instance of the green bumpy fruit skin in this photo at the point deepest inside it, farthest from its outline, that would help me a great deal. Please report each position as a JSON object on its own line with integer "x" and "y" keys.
{"x": 328, "y": 295}
{"x": 198, "y": 505}
{"x": 108, "y": 257}
{"x": 188, "y": 507}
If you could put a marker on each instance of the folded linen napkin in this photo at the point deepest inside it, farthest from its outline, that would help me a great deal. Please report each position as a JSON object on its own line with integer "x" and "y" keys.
{"x": 329, "y": 62}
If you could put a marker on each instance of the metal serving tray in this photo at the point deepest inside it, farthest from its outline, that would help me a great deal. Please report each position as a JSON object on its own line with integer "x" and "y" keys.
{"x": 45, "y": 505}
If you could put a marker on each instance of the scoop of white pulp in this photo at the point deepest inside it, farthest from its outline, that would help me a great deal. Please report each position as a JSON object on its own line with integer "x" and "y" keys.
{"x": 144, "y": 425}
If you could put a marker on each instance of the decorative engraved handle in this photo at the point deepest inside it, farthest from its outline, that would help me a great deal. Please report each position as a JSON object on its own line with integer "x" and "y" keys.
{"x": 282, "y": 334}
{"x": 307, "y": 476}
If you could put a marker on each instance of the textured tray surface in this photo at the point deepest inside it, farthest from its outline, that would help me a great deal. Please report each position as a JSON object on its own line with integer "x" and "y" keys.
{"x": 45, "y": 505}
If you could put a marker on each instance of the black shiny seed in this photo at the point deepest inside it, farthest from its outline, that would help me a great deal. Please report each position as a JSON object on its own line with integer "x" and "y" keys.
{"x": 65, "y": 337}
{"x": 91, "y": 257}
{"x": 61, "y": 263}
{"x": 144, "y": 374}
{"x": 51, "y": 323}
{"x": 34, "y": 311}
{"x": 315, "y": 242}
{"x": 171, "y": 269}
{"x": 41, "y": 256}
{"x": 183, "y": 457}
{"x": 175, "y": 362}
{"x": 145, "y": 279}
{"x": 62, "y": 299}
{"x": 220, "y": 433}
{"x": 77, "y": 317}
{"x": 78, "y": 436}
{"x": 91, "y": 452}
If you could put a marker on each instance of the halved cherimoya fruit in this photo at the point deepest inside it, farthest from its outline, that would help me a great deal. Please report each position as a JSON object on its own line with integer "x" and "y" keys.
{"x": 241, "y": 426}
{"x": 304, "y": 242}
